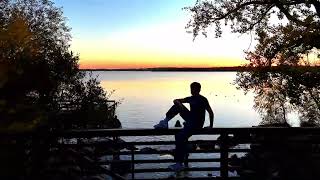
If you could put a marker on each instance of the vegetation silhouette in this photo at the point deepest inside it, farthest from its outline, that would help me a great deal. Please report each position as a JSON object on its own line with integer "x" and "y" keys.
{"x": 38, "y": 72}
{"x": 201, "y": 69}
{"x": 42, "y": 89}
{"x": 281, "y": 73}
{"x": 279, "y": 155}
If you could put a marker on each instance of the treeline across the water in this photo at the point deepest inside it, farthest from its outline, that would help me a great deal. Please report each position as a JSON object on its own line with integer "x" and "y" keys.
{"x": 232, "y": 68}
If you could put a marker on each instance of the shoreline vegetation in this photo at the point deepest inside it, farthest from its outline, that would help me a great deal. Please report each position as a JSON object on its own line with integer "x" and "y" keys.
{"x": 205, "y": 69}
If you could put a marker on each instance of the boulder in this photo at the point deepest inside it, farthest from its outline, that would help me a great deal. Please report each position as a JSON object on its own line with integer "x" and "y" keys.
{"x": 148, "y": 150}
{"x": 178, "y": 124}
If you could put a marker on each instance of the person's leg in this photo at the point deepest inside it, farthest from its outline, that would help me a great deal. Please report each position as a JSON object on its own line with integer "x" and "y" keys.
{"x": 181, "y": 141}
{"x": 175, "y": 109}
{"x": 172, "y": 112}
{"x": 181, "y": 144}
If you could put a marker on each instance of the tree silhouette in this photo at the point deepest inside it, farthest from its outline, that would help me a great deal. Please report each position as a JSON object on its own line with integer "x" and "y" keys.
{"x": 287, "y": 32}
{"x": 41, "y": 87}
{"x": 38, "y": 71}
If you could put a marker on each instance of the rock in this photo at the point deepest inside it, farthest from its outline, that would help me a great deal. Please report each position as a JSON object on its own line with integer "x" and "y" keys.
{"x": 240, "y": 137}
{"x": 234, "y": 162}
{"x": 54, "y": 160}
{"x": 192, "y": 147}
{"x": 98, "y": 177}
{"x": 71, "y": 170}
{"x": 207, "y": 146}
{"x": 178, "y": 124}
{"x": 230, "y": 139}
{"x": 105, "y": 146}
{"x": 171, "y": 152}
{"x": 88, "y": 150}
{"x": 119, "y": 144}
{"x": 117, "y": 123}
{"x": 120, "y": 167}
{"x": 148, "y": 150}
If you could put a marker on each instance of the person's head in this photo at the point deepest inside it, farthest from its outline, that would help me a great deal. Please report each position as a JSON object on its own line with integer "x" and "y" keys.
{"x": 195, "y": 88}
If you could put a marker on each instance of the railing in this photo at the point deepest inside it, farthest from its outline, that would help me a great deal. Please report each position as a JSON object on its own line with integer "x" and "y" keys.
{"x": 225, "y": 146}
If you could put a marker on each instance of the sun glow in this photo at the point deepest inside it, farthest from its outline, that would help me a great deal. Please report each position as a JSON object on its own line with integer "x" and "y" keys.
{"x": 166, "y": 45}
{"x": 140, "y": 34}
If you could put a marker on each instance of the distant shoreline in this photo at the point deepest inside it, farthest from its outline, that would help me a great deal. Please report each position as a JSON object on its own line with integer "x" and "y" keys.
{"x": 173, "y": 69}
{"x": 210, "y": 69}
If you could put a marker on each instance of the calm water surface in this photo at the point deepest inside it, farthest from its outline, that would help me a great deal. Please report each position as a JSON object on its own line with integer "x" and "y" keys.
{"x": 146, "y": 96}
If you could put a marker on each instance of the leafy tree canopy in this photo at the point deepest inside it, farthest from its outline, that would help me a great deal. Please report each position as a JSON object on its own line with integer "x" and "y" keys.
{"x": 37, "y": 70}
{"x": 287, "y": 32}
{"x": 285, "y": 29}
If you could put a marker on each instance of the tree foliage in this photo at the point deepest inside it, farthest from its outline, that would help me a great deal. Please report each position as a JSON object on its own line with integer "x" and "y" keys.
{"x": 287, "y": 33}
{"x": 37, "y": 69}
{"x": 41, "y": 87}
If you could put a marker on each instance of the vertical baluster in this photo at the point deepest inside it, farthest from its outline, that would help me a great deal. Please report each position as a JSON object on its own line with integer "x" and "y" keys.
{"x": 224, "y": 155}
{"x": 132, "y": 162}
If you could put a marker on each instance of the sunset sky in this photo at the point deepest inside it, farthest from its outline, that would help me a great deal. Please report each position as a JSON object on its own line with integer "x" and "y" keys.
{"x": 145, "y": 33}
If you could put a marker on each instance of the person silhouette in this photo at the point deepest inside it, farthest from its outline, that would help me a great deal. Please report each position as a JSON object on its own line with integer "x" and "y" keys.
{"x": 194, "y": 119}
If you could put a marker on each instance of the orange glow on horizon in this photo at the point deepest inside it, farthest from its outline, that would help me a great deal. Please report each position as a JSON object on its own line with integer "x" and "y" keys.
{"x": 194, "y": 63}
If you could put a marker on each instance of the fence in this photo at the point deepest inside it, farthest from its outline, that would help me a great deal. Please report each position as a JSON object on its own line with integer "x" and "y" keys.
{"x": 228, "y": 138}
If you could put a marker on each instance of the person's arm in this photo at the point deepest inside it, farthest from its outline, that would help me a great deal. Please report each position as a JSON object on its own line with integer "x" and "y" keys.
{"x": 180, "y": 101}
{"x": 211, "y": 115}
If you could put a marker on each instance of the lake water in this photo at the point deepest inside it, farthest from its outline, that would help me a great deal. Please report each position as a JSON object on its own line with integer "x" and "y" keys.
{"x": 146, "y": 96}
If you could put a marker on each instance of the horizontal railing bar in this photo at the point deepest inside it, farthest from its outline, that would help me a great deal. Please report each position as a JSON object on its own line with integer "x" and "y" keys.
{"x": 129, "y": 145}
{"x": 162, "y": 152}
{"x": 171, "y": 142}
{"x": 305, "y": 141}
{"x": 172, "y": 131}
{"x": 274, "y": 141}
{"x": 170, "y": 170}
{"x": 201, "y": 178}
{"x": 171, "y": 151}
{"x": 183, "y": 178}
{"x": 285, "y": 131}
{"x": 138, "y": 143}
{"x": 157, "y": 161}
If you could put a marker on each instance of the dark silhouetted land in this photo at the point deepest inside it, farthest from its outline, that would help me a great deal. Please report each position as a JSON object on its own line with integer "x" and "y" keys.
{"x": 234, "y": 68}
{"x": 208, "y": 69}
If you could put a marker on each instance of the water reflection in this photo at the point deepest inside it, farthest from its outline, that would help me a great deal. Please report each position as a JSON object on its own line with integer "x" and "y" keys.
{"x": 147, "y": 96}
{"x": 283, "y": 90}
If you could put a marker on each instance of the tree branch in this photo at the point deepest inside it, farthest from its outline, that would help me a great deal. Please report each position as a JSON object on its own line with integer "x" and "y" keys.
{"x": 240, "y": 7}
{"x": 279, "y": 4}
{"x": 316, "y": 5}
{"x": 261, "y": 17}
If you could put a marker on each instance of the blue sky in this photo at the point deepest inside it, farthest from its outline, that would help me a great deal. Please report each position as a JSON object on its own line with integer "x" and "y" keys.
{"x": 107, "y": 16}
{"x": 144, "y": 33}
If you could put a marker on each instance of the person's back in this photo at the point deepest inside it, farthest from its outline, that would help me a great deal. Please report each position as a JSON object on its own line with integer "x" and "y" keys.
{"x": 198, "y": 106}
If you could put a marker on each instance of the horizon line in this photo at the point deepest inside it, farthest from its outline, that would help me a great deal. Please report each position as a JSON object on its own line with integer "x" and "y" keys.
{"x": 169, "y": 67}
